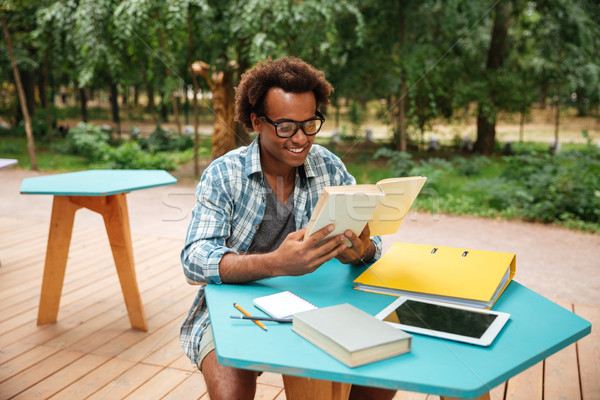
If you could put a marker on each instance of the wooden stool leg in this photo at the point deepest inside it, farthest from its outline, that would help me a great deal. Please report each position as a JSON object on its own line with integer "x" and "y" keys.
{"x": 298, "y": 388}
{"x": 485, "y": 396}
{"x": 59, "y": 239}
{"x": 116, "y": 219}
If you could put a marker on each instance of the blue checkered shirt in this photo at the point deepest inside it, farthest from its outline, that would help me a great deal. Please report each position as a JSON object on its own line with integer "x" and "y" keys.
{"x": 230, "y": 207}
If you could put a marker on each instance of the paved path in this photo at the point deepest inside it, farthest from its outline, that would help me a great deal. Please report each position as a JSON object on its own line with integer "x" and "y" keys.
{"x": 558, "y": 263}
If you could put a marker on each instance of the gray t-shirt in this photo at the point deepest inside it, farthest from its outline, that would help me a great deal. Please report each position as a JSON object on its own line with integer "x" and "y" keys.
{"x": 277, "y": 223}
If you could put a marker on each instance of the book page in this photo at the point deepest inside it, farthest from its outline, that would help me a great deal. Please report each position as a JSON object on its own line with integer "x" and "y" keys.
{"x": 400, "y": 193}
{"x": 346, "y": 210}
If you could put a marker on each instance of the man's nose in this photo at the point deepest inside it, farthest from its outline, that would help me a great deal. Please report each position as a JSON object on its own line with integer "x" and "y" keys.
{"x": 300, "y": 136}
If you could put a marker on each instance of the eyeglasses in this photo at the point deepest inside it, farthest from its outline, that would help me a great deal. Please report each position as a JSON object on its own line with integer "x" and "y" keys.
{"x": 286, "y": 128}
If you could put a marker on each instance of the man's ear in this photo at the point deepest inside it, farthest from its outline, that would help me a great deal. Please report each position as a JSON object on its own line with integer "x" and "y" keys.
{"x": 256, "y": 122}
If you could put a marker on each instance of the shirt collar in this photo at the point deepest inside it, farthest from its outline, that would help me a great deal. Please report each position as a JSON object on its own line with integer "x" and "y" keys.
{"x": 253, "y": 166}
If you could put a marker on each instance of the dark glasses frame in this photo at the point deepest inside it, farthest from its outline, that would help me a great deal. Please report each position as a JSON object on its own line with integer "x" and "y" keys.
{"x": 299, "y": 124}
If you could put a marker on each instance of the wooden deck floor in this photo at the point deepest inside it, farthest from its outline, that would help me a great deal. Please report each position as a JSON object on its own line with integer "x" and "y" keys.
{"x": 91, "y": 352}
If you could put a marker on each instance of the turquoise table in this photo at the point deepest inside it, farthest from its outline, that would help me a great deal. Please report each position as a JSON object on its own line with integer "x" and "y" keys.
{"x": 537, "y": 328}
{"x": 102, "y": 191}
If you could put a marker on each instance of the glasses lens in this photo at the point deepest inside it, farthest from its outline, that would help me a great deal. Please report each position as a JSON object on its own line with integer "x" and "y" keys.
{"x": 286, "y": 129}
{"x": 311, "y": 127}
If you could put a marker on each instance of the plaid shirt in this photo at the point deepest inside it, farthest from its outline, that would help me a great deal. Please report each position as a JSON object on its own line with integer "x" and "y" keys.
{"x": 230, "y": 207}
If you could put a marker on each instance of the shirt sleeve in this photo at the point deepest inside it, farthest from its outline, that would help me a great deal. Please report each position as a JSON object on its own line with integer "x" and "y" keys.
{"x": 209, "y": 229}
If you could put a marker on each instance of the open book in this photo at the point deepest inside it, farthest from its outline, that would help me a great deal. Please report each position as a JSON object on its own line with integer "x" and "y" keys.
{"x": 382, "y": 205}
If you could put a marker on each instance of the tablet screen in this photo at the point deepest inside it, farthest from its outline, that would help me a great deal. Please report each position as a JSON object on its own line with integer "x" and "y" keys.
{"x": 443, "y": 319}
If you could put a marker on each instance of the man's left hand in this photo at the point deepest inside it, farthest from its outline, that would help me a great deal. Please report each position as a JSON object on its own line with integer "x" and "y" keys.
{"x": 361, "y": 250}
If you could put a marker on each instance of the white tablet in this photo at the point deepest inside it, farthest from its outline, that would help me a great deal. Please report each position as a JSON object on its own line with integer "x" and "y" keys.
{"x": 443, "y": 320}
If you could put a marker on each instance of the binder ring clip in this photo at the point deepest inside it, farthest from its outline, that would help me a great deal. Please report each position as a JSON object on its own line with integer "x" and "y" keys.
{"x": 465, "y": 254}
{"x": 434, "y": 250}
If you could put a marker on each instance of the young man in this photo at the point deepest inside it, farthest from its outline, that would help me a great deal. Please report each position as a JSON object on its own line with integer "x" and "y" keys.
{"x": 253, "y": 203}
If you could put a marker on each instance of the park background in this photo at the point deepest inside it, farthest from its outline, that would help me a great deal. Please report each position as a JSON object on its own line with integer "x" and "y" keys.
{"x": 496, "y": 102}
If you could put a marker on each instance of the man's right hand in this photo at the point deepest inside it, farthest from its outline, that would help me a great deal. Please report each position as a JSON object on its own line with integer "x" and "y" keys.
{"x": 293, "y": 257}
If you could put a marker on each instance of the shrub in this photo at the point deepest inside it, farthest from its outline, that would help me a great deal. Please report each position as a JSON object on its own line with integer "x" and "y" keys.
{"x": 161, "y": 140}
{"x": 129, "y": 155}
{"x": 89, "y": 141}
{"x": 400, "y": 162}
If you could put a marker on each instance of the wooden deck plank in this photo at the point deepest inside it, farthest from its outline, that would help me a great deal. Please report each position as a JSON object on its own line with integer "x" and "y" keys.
{"x": 528, "y": 385}
{"x": 93, "y": 381}
{"x": 123, "y": 342}
{"x": 184, "y": 363}
{"x": 64, "y": 377}
{"x": 101, "y": 320}
{"x": 159, "y": 385}
{"x": 192, "y": 388}
{"x": 589, "y": 354}
{"x": 14, "y": 350}
{"x": 25, "y": 360}
{"x": 77, "y": 301}
{"x": 157, "y": 302}
{"x": 404, "y": 395}
{"x": 156, "y": 339}
{"x": 125, "y": 384}
{"x": 29, "y": 377}
{"x": 561, "y": 374}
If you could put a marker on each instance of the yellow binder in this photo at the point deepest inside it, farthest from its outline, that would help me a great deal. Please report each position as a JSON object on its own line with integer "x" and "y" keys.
{"x": 469, "y": 277}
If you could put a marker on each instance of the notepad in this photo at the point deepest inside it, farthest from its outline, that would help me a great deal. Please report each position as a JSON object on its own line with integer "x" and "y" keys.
{"x": 283, "y": 304}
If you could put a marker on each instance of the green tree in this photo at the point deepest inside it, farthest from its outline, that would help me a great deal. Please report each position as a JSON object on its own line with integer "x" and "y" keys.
{"x": 568, "y": 35}
{"x": 8, "y": 11}
{"x": 233, "y": 35}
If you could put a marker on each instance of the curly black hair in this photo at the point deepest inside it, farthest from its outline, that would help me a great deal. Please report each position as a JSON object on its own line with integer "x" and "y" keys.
{"x": 289, "y": 73}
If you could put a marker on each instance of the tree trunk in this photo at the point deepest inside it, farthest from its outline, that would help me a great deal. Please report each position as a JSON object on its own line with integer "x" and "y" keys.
{"x": 556, "y": 121}
{"x": 223, "y": 139}
{"x": 486, "y": 119}
{"x": 522, "y": 123}
{"x": 402, "y": 143}
{"x": 242, "y": 137}
{"x": 28, "y": 82}
{"x": 83, "y": 98}
{"x": 169, "y": 74}
{"x": 46, "y": 100}
{"x": 22, "y": 99}
{"x": 196, "y": 123}
{"x": 136, "y": 95}
{"x": 176, "y": 111}
{"x": 221, "y": 86}
{"x": 400, "y": 131}
{"x": 196, "y": 91}
{"x": 114, "y": 104}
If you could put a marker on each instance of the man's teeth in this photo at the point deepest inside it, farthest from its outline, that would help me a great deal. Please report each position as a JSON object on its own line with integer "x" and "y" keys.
{"x": 296, "y": 150}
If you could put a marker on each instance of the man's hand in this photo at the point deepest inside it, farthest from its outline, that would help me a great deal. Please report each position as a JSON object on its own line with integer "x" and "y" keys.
{"x": 361, "y": 249}
{"x": 294, "y": 257}
{"x": 299, "y": 257}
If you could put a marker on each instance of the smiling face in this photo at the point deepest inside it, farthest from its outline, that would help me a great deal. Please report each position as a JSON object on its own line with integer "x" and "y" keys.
{"x": 280, "y": 155}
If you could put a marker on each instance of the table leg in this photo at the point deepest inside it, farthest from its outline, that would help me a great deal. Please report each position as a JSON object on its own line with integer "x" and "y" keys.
{"x": 113, "y": 209}
{"x": 485, "y": 396}
{"x": 59, "y": 239}
{"x": 298, "y": 388}
{"x": 116, "y": 219}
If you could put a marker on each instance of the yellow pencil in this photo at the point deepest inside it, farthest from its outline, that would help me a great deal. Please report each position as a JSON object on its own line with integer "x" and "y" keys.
{"x": 236, "y": 305}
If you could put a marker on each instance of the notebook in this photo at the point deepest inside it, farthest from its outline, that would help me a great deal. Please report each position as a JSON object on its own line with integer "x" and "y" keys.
{"x": 283, "y": 304}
